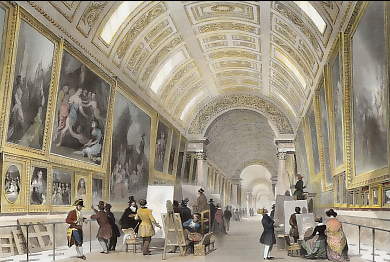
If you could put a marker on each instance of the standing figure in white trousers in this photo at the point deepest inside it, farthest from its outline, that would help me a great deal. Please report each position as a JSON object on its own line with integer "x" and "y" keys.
{"x": 268, "y": 236}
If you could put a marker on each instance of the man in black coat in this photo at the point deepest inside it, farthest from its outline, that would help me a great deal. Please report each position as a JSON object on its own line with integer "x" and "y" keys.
{"x": 213, "y": 210}
{"x": 268, "y": 236}
{"x": 185, "y": 211}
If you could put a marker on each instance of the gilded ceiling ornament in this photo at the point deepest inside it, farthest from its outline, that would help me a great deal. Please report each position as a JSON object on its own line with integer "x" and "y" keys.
{"x": 285, "y": 11}
{"x": 92, "y": 12}
{"x": 137, "y": 28}
{"x": 233, "y": 53}
{"x": 164, "y": 34}
{"x": 156, "y": 30}
{"x": 212, "y": 27}
{"x": 172, "y": 44}
{"x": 220, "y": 104}
{"x": 178, "y": 75}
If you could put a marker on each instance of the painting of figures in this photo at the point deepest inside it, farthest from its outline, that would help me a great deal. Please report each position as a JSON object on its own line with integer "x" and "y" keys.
{"x": 80, "y": 118}
{"x": 12, "y": 184}
{"x": 30, "y": 92}
{"x": 97, "y": 190}
{"x": 38, "y": 186}
{"x": 130, "y": 151}
{"x": 175, "y": 143}
{"x": 62, "y": 187}
{"x": 314, "y": 143}
{"x": 370, "y": 90}
{"x": 337, "y": 91}
{"x": 325, "y": 136}
{"x": 161, "y": 146}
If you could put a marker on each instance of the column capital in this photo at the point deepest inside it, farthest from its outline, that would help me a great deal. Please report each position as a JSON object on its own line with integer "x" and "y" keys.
{"x": 201, "y": 155}
{"x": 281, "y": 155}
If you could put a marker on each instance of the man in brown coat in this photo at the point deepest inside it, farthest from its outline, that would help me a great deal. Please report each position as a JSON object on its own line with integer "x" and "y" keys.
{"x": 201, "y": 202}
{"x": 105, "y": 231}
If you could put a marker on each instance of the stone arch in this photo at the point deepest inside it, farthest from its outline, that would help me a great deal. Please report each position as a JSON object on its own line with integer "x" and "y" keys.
{"x": 222, "y": 104}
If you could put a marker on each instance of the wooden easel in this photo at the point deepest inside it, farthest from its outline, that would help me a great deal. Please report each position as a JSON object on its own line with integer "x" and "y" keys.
{"x": 174, "y": 233}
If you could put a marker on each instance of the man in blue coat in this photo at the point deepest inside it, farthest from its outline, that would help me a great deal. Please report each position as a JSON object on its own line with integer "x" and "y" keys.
{"x": 268, "y": 236}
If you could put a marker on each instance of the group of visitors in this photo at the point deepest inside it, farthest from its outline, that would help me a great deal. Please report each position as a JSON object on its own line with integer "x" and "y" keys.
{"x": 108, "y": 231}
{"x": 325, "y": 241}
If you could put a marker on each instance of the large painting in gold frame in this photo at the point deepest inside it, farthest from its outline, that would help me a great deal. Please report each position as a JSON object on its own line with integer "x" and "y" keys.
{"x": 333, "y": 81}
{"x": 321, "y": 107}
{"x": 364, "y": 120}
{"x": 33, "y": 74}
{"x": 86, "y": 145}
{"x": 29, "y": 84}
{"x": 14, "y": 180}
{"x": 131, "y": 148}
{"x": 312, "y": 127}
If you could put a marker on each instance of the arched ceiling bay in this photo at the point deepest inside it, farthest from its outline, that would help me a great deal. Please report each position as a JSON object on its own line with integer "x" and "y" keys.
{"x": 179, "y": 54}
{"x": 239, "y": 137}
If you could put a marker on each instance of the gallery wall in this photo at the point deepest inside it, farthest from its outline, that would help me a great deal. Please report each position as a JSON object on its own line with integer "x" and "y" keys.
{"x": 342, "y": 142}
{"x": 69, "y": 130}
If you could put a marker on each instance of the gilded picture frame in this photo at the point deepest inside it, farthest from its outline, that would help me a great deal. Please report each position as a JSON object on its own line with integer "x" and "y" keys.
{"x": 162, "y": 177}
{"x": 105, "y": 150}
{"x": 22, "y": 16}
{"x": 355, "y": 180}
{"x": 386, "y": 196}
{"x": 322, "y": 119}
{"x": 121, "y": 88}
{"x": 104, "y": 188}
{"x": 334, "y": 102}
{"x": 14, "y": 193}
{"x": 376, "y": 195}
{"x": 68, "y": 179}
{"x": 35, "y": 168}
{"x": 83, "y": 188}
{"x": 8, "y": 31}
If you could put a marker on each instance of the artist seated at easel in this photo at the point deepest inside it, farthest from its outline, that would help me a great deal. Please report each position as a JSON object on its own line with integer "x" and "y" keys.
{"x": 192, "y": 231}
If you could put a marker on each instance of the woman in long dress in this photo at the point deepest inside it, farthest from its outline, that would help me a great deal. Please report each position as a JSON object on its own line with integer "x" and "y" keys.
{"x": 315, "y": 244}
{"x": 337, "y": 242}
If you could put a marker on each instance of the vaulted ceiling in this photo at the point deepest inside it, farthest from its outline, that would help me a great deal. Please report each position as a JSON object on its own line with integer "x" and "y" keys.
{"x": 182, "y": 56}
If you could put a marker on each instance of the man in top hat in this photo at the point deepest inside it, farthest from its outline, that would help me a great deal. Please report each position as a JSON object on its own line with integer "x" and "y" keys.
{"x": 272, "y": 215}
{"x": 201, "y": 202}
{"x": 127, "y": 219}
{"x": 105, "y": 231}
{"x": 75, "y": 231}
{"x": 268, "y": 236}
{"x": 299, "y": 188}
{"x": 185, "y": 211}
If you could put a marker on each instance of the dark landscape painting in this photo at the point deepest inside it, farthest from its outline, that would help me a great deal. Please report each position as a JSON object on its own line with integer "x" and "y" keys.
{"x": 130, "y": 151}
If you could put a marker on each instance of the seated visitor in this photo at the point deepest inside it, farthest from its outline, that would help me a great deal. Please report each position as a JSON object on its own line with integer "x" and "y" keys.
{"x": 192, "y": 231}
{"x": 315, "y": 243}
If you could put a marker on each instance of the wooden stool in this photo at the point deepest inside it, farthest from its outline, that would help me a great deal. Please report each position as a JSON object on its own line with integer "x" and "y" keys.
{"x": 293, "y": 249}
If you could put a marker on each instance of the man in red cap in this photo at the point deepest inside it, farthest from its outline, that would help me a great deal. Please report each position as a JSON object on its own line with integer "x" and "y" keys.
{"x": 75, "y": 231}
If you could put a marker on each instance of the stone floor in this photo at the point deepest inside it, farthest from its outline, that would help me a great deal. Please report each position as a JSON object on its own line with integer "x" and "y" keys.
{"x": 240, "y": 245}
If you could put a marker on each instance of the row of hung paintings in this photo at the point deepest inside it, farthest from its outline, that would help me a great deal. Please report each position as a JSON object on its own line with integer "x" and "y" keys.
{"x": 36, "y": 186}
{"x": 372, "y": 196}
{"x": 59, "y": 107}
{"x": 346, "y": 126}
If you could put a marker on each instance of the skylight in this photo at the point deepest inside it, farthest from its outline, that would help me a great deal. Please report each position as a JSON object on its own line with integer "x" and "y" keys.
{"x": 117, "y": 18}
{"x": 292, "y": 67}
{"x": 288, "y": 104}
{"x": 166, "y": 70}
{"x": 191, "y": 104}
{"x": 313, "y": 14}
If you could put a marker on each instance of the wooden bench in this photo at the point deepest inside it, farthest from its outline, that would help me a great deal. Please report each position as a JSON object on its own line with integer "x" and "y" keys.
{"x": 205, "y": 246}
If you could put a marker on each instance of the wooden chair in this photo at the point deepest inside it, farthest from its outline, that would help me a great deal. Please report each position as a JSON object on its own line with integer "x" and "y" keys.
{"x": 205, "y": 221}
{"x": 132, "y": 239}
{"x": 293, "y": 249}
{"x": 205, "y": 246}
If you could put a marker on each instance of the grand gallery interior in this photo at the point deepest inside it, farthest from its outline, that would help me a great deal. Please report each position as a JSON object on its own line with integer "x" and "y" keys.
{"x": 157, "y": 100}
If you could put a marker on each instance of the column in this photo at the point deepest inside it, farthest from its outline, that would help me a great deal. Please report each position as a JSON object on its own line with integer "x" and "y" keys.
{"x": 201, "y": 169}
{"x": 281, "y": 182}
